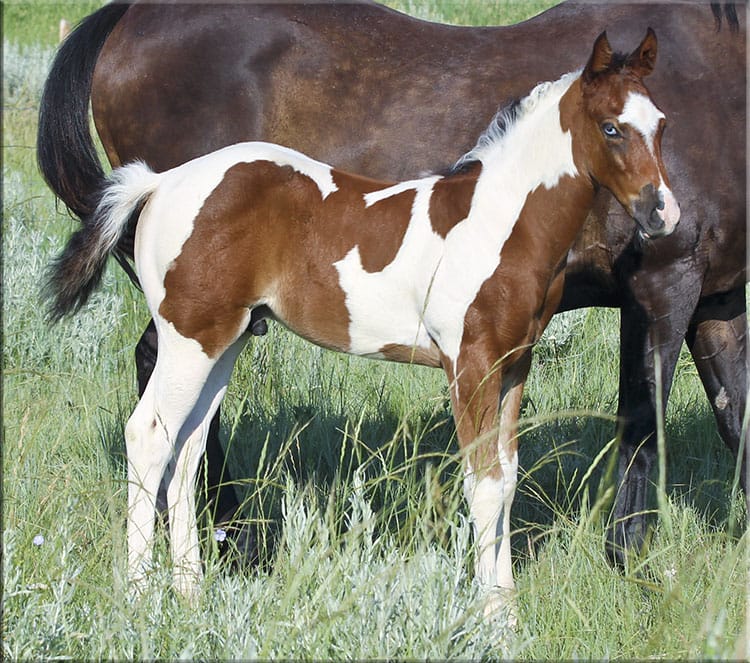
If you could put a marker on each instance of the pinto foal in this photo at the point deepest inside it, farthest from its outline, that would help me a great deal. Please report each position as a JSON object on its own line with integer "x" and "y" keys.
{"x": 461, "y": 272}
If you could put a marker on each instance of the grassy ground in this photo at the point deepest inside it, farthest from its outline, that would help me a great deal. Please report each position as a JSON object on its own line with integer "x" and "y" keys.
{"x": 349, "y": 469}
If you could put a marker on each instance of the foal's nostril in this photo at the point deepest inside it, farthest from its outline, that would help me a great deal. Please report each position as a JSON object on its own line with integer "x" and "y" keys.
{"x": 656, "y": 221}
{"x": 660, "y": 201}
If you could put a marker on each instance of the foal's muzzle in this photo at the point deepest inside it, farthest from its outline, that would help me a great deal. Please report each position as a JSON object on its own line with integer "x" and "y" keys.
{"x": 655, "y": 211}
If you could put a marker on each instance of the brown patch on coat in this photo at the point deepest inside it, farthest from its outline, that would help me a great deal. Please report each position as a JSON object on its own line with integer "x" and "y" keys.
{"x": 238, "y": 255}
{"x": 412, "y": 354}
{"x": 266, "y": 235}
{"x": 379, "y": 234}
{"x": 451, "y": 201}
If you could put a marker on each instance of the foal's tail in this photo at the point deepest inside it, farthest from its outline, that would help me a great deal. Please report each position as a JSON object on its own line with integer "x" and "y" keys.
{"x": 77, "y": 271}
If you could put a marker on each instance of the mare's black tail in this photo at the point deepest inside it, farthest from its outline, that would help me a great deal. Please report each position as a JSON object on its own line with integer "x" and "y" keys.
{"x": 66, "y": 153}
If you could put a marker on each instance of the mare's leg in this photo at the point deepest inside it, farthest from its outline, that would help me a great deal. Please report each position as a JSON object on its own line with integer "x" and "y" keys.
{"x": 653, "y": 325}
{"x": 221, "y": 495}
{"x": 718, "y": 342}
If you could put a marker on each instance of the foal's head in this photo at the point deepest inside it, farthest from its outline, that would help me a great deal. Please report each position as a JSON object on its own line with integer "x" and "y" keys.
{"x": 622, "y": 130}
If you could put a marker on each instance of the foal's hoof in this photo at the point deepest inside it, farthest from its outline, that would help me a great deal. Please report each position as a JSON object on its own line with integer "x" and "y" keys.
{"x": 501, "y": 607}
{"x": 187, "y": 584}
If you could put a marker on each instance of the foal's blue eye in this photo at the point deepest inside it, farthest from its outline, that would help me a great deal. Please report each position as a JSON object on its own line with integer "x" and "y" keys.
{"x": 610, "y": 130}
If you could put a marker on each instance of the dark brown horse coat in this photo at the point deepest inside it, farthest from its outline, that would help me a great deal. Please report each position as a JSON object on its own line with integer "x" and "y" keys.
{"x": 356, "y": 86}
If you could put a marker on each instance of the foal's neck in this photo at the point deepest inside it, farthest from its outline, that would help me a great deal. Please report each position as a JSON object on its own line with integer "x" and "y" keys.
{"x": 532, "y": 162}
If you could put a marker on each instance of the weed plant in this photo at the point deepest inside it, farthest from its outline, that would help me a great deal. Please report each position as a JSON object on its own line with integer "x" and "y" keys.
{"x": 349, "y": 475}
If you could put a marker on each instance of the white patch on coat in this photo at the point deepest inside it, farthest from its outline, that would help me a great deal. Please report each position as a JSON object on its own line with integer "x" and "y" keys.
{"x": 424, "y": 293}
{"x": 387, "y": 306}
{"x": 722, "y": 400}
{"x": 376, "y": 196}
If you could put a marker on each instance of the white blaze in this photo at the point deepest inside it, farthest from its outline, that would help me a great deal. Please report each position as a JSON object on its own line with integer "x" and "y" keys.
{"x": 641, "y": 114}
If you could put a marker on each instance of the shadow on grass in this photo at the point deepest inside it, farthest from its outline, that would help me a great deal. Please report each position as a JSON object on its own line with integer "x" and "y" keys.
{"x": 395, "y": 454}
{"x": 398, "y": 450}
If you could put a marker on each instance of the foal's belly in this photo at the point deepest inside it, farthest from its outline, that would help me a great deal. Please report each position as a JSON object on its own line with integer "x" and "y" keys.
{"x": 375, "y": 322}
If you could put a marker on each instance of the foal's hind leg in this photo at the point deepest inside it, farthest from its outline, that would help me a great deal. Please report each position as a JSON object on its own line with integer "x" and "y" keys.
{"x": 220, "y": 494}
{"x": 148, "y": 452}
{"x": 157, "y": 433}
{"x": 152, "y": 438}
{"x": 181, "y": 477}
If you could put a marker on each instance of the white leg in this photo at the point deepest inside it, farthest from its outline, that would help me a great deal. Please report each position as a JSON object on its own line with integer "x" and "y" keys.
{"x": 490, "y": 500}
{"x": 148, "y": 452}
{"x": 504, "y": 568}
{"x": 485, "y": 505}
{"x": 181, "y": 485}
{"x": 507, "y": 451}
{"x": 152, "y": 436}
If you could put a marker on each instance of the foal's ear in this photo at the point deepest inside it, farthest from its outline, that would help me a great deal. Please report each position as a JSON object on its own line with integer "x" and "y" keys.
{"x": 643, "y": 59}
{"x": 600, "y": 59}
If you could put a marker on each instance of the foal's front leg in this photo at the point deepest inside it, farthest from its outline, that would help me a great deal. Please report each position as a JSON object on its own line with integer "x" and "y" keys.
{"x": 489, "y": 449}
{"x": 507, "y": 445}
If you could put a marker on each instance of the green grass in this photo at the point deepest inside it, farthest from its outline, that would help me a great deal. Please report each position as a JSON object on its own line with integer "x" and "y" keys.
{"x": 38, "y": 21}
{"x": 349, "y": 469}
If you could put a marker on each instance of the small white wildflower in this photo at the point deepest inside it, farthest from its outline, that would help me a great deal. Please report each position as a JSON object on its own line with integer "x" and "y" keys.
{"x": 38, "y": 540}
{"x": 670, "y": 574}
{"x": 220, "y": 535}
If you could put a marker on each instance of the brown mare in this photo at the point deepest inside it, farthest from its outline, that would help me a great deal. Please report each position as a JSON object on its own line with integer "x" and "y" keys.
{"x": 461, "y": 272}
{"x": 355, "y": 85}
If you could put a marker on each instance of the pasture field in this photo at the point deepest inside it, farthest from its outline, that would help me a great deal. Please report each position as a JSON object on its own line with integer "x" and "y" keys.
{"x": 349, "y": 472}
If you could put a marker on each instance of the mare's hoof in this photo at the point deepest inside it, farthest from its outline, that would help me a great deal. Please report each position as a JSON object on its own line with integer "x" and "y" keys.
{"x": 237, "y": 543}
{"x": 626, "y": 540}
